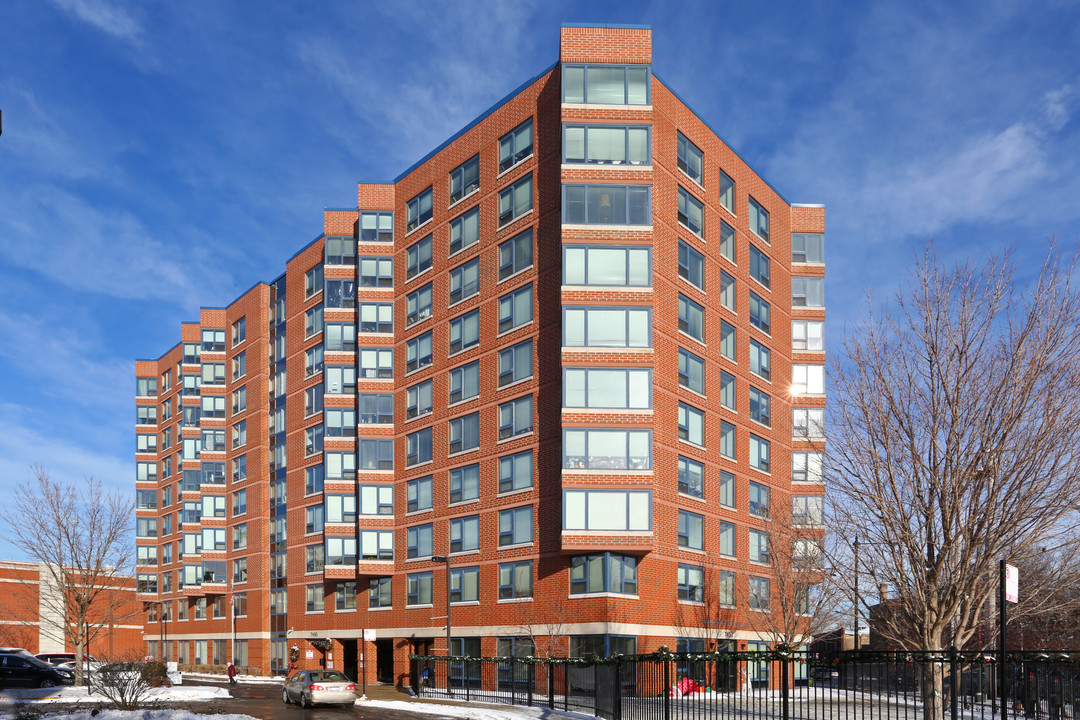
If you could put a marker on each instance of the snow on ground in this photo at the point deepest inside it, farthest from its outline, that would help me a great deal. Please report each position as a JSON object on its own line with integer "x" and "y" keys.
{"x": 138, "y": 715}
{"x": 502, "y": 712}
{"x": 177, "y": 693}
{"x": 252, "y": 679}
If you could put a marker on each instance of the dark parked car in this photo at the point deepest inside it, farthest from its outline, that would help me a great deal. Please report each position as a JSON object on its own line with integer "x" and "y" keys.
{"x": 60, "y": 658}
{"x": 17, "y": 670}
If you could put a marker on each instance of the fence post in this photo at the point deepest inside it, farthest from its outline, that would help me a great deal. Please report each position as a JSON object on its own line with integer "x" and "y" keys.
{"x": 616, "y": 692}
{"x": 414, "y": 676}
{"x": 784, "y": 709}
{"x": 530, "y": 675}
{"x": 551, "y": 684}
{"x": 954, "y": 683}
{"x": 667, "y": 686}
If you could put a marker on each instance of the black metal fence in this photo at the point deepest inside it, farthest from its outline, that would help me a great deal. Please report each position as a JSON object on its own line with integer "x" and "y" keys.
{"x": 854, "y": 685}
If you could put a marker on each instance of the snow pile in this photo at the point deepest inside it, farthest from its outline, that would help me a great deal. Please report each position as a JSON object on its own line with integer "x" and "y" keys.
{"x": 177, "y": 693}
{"x": 462, "y": 711}
{"x": 139, "y": 715}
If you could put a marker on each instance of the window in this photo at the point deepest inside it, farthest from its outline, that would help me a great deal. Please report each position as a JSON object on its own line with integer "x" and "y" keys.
{"x": 606, "y": 144}
{"x": 418, "y": 588}
{"x": 376, "y": 227}
{"x": 376, "y": 363}
{"x": 807, "y": 335}
{"x": 240, "y": 572}
{"x": 418, "y": 352}
{"x": 596, "y": 449}
{"x": 515, "y": 254}
{"x": 691, "y": 582}
{"x": 464, "y": 179}
{"x": 213, "y": 406}
{"x": 607, "y": 266}
{"x": 515, "y": 472}
{"x": 146, "y": 499}
{"x": 806, "y": 554}
{"x": 464, "y": 382}
{"x": 759, "y": 266}
{"x": 691, "y": 213}
{"x": 806, "y": 467}
{"x": 239, "y": 536}
{"x": 374, "y": 318}
{"x": 146, "y": 583}
{"x": 239, "y": 365}
{"x": 759, "y": 219}
{"x": 146, "y": 443}
{"x": 691, "y": 477}
{"x": 213, "y": 341}
{"x": 418, "y": 447}
{"x": 213, "y": 539}
{"x": 515, "y": 146}
{"x": 239, "y": 400}
{"x": 313, "y": 439}
{"x": 313, "y": 479}
{"x": 313, "y": 321}
{"x": 313, "y": 400}
{"x": 727, "y": 192}
{"x": 691, "y": 318}
{"x": 340, "y": 250}
{"x": 727, "y": 390}
{"x": 313, "y": 360}
{"x": 418, "y": 257}
{"x": 808, "y": 379}
{"x": 759, "y": 546}
{"x": 759, "y": 499}
{"x": 807, "y": 248}
{"x": 380, "y": 592}
{"x": 759, "y": 453}
{"x": 759, "y": 313}
{"x": 239, "y": 502}
{"x": 213, "y": 374}
{"x": 199, "y": 614}
{"x": 418, "y": 494}
{"x": 515, "y": 308}
{"x": 465, "y": 230}
{"x": 374, "y": 455}
{"x": 417, "y": 401}
{"x": 607, "y": 327}
{"x": 615, "y": 388}
{"x": 376, "y": 500}
{"x": 146, "y": 387}
{"x": 345, "y": 595}
{"x": 727, "y": 440}
{"x": 807, "y": 510}
{"x": 727, "y": 539}
{"x": 376, "y": 272}
{"x": 341, "y": 380}
{"x": 807, "y": 291}
{"x": 418, "y": 211}
{"x": 465, "y": 534}
{"x": 808, "y": 423}
{"x": 515, "y": 580}
{"x": 759, "y": 407}
{"x": 418, "y": 541}
{"x": 606, "y": 572}
{"x": 606, "y": 84}
{"x": 341, "y": 508}
{"x": 313, "y": 281}
{"x": 464, "y": 433}
{"x": 607, "y": 204}
{"x": 691, "y": 424}
{"x": 315, "y": 598}
{"x": 727, "y": 340}
{"x": 515, "y": 200}
{"x": 604, "y": 510}
{"x": 690, "y": 158}
{"x": 516, "y": 526}
{"x": 314, "y": 519}
{"x": 759, "y": 593}
{"x": 464, "y": 483}
{"x": 465, "y": 281}
{"x": 465, "y": 331}
{"x": 340, "y": 551}
{"x": 340, "y": 294}
{"x": 146, "y": 555}
{"x": 691, "y": 265}
{"x": 759, "y": 360}
{"x": 515, "y": 363}
{"x": 376, "y": 545}
{"x": 691, "y": 530}
{"x": 418, "y": 305}
{"x": 191, "y": 351}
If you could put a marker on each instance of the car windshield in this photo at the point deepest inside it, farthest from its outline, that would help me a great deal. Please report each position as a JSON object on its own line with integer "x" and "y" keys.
{"x": 37, "y": 663}
{"x": 328, "y": 676}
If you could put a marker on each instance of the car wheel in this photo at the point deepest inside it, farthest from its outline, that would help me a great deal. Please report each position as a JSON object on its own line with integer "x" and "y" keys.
{"x": 285, "y": 696}
{"x": 304, "y": 702}
{"x": 47, "y": 683}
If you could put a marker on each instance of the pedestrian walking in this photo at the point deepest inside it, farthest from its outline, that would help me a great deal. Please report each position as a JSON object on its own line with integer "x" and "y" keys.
{"x": 232, "y": 672}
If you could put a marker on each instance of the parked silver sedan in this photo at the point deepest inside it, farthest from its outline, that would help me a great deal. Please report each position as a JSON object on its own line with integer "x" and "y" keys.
{"x": 316, "y": 687}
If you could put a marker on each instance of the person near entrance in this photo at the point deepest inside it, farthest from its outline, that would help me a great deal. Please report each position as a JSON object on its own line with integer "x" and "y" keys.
{"x": 232, "y": 672}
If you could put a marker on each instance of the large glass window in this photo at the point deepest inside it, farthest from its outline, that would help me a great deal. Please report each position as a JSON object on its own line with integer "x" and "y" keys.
{"x": 691, "y": 477}
{"x": 691, "y": 265}
{"x": 418, "y": 352}
{"x": 418, "y": 305}
{"x": 759, "y": 219}
{"x": 418, "y": 447}
{"x": 380, "y": 592}
{"x": 807, "y": 248}
{"x": 418, "y": 541}
{"x": 808, "y": 423}
{"x": 690, "y": 158}
{"x": 376, "y": 272}
{"x": 516, "y": 417}
{"x": 808, "y": 379}
{"x": 516, "y": 308}
{"x": 515, "y": 580}
{"x": 691, "y": 371}
{"x": 515, "y": 363}
{"x": 464, "y": 331}
{"x": 418, "y": 494}
{"x": 759, "y": 266}
{"x": 465, "y": 281}
{"x": 515, "y": 254}
{"x": 464, "y": 382}
{"x": 759, "y": 313}
{"x": 691, "y": 531}
{"x": 376, "y": 227}
{"x": 340, "y": 551}
{"x": 341, "y": 508}
{"x": 607, "y": 327}
{"x": 376, "y": 545}
{"x": 376, "y": 363}
{"x": 606, "y": 84}
{"x": 515, "y": 146}
{"x": 465, "y": 584}
{"x": 375, "y": 455}
{"x": 340, "y": 294}
{"x": 691, "y": 424}
{"x": 464, "y": 179}
{"x": 464, "y": 433}
{"x": 418, "y": 400}
{"x": 418, "y": 257}
{"x": 606, "y": 144}
{"x": 465, "y": 230}
{"x": 603, "y": 449}
{"x": 759, "y": 546}
{"x": 807, "y": 335}
{"x": 760, "y": 360}
{"x": 691, "y": 213}
{"x": 418, "y": 588}
{"x": 616, "y": 388}
{"x": 759, "y": 593}
{"x": 759, "y": 499}
{"x": 807, "y": 510}
{"x": 465, "y": 534}
{"x": 691, "y": 318}
{"x": 515, "y": 200}
{"x": 759, "y": 407}
{"x": 341, "y": 422}
{"x": 608, "y": 266}
{"x": 806, "y": 467}
{"x": 516, "y": 526}
{"x": 515, "y": 472}
{"x": 340, "y": 250}
{"x": 464, "y": 483}
{"x": 807, "y": 291}
{"x": 418, "y": 211}
{"x": 342, "y": 465}
{"x": 691, "y": 581}
{"x": 374, "y": 318}
{"x": 607, "y": 204}
{"x": 606, "y": 572}
{"x": 759, "y": 453}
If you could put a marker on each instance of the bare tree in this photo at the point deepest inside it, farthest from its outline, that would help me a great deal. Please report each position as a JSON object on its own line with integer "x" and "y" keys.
{"x": 953, "y": 439}
{"x": 81, "y": 535}
{"x": 546, "y": 627}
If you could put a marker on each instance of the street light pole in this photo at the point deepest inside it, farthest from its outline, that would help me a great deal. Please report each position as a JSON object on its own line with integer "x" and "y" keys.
{"x": 446, "y": 559}
{"x": 856, "y": 644}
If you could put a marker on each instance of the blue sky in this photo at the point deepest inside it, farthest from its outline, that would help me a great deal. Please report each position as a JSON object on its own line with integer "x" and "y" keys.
{"x": 158, "y": 157}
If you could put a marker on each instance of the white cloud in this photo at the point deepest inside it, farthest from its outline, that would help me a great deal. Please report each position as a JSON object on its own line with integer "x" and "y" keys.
{"x": 105, "y": 16}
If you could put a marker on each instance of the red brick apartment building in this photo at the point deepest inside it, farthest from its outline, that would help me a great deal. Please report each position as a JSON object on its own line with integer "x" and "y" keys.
{"x": 577, "y": 349}
{"x": 29, "y": 603}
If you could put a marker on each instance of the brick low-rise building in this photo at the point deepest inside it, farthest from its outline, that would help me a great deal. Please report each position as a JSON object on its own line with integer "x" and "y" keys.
{"x": 577, "y": 349}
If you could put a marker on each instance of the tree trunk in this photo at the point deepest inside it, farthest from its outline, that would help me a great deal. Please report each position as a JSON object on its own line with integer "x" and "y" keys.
{"x": 933, "y": 697}
{"x": 79, "y": 664}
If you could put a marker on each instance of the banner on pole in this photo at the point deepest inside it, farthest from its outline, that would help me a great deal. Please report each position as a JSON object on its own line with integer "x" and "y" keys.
{"x": 1012, "y": 584}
